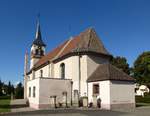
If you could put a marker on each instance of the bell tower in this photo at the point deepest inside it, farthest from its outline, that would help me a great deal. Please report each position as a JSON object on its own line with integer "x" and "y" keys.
{"x": 38, "y": 47}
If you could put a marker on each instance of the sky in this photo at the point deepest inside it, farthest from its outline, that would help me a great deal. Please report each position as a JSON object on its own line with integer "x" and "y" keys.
{"x": 122, "y": 25}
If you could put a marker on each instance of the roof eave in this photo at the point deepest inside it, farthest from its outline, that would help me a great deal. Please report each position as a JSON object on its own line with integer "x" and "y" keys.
{"x": 89, "y": 81}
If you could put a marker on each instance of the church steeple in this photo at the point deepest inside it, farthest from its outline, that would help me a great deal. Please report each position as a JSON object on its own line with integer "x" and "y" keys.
{"x": 38, "y": 46}
{"x": 38, "y": 37}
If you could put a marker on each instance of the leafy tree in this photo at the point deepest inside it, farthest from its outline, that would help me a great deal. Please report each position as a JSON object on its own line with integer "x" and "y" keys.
{"x": 1, "y": 84}
{"x": 5, "y": 88}
{"x": 141, "y": 68}
{"x": 12, "y": 89}
{"x": 121, "y": 63}
{"x": 9, "y": 88}
{"x": 19, "y": 91}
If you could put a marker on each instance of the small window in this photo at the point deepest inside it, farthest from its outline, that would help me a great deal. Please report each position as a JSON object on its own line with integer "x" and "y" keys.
{"x": 41, "y": 73}
{"x": 96, "y": 89}
{"x": 36, "y": 51}
{"x": 42, "y": 53}
{"x": 62, "y": 71}
{"x": 29, "y": 91}
{"x": 34, "y": 90}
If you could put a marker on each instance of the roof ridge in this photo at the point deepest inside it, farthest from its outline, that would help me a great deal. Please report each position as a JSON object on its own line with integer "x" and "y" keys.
{"x": 63, "y": 48}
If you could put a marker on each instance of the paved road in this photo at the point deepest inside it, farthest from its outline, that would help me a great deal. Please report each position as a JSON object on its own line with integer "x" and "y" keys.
{"x": 19, "y": 108}
{"x": 141, "y": 111}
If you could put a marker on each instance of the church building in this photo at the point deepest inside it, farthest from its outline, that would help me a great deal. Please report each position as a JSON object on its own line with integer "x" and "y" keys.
{"x": 76, "y": 73}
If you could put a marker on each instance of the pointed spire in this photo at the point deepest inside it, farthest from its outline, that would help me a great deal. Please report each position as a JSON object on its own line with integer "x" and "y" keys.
{"x": 38, "y": 36}
{"x": 38, "y": 31}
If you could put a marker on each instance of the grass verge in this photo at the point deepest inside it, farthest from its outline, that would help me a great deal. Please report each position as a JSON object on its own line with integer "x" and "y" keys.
{"x": 4, "y": 104}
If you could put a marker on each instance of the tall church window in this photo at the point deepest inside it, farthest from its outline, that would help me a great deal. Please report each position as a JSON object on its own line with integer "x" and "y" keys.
{"x": 41, "y": 73}
{"x": 34, "y": 90}
{"x": 42, "y": 53}
{"x": 62, "y": 71}
{"x": 29, "y": 91}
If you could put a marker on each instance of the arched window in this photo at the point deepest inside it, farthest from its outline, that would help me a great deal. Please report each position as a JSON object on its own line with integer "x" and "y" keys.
{"x": 29, "y": 91}
{"x": 62, "y": 71}
{"x": 36, "y": 51}
{"x": 42, "y": 52}
{"x": 41, "y": 73}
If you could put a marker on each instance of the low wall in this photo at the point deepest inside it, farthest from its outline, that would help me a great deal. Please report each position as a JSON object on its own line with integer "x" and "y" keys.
{"x": 54, "y": 87}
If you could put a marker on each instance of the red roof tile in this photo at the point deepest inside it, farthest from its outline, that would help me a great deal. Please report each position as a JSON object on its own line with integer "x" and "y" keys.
{"x": 85, "y": 41}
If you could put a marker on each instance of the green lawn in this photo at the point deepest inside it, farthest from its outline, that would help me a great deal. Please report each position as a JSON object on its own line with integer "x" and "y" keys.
{"x": 4, "y": 104}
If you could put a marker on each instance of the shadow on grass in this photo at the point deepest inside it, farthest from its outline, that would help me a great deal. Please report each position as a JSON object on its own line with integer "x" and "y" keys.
{"x": 142, "y": 104}
{"x": 18, "y": 106}
{"x": 4, "y": 105}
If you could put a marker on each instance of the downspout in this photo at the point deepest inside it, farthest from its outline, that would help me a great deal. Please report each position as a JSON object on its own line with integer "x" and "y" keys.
{"x": 71, "y": 91}
{"x": 48, "y": 69}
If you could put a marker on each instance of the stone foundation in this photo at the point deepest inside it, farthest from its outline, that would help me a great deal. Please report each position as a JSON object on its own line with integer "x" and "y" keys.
{"x": 129, "y": 106}
{"x": 123, "y": 106}
{"x": 34, "y": 106}
{"x": 39, "y": 106}
{"x": 118, "y": 106}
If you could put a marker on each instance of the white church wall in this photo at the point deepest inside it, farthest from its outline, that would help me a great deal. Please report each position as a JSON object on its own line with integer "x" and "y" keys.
{"x": 88, "y": 64}
{"x": 104, "y": 93}
{"x": 33, "y": 101}
{"x": 122, "y": 94}
{"x": 53, "y": 87}
{"x": 83, "y": 61}
{"x": 46, "y": 72}
{"x": 68, "y": 68}
{"x": 45, "y": 88}
{"x": 71, "y": 70}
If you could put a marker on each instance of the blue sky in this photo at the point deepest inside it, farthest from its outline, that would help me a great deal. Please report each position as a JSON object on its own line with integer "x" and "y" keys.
{"x": 123, "y": 25}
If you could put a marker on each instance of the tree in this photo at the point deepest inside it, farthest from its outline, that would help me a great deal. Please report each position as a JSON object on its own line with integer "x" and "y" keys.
{"x": 12, "y": 89}
{"x": 19, "y": 91}
{"x": 121, "y": 63}
{"x": 1, "y": 84}
{"x": 9, "y": 88}
{"x": 141, "y": 68}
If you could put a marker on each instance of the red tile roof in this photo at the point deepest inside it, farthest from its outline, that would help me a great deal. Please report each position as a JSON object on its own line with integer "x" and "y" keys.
{"x": 85, "y": 41}
{"x": 50, "y": 55}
